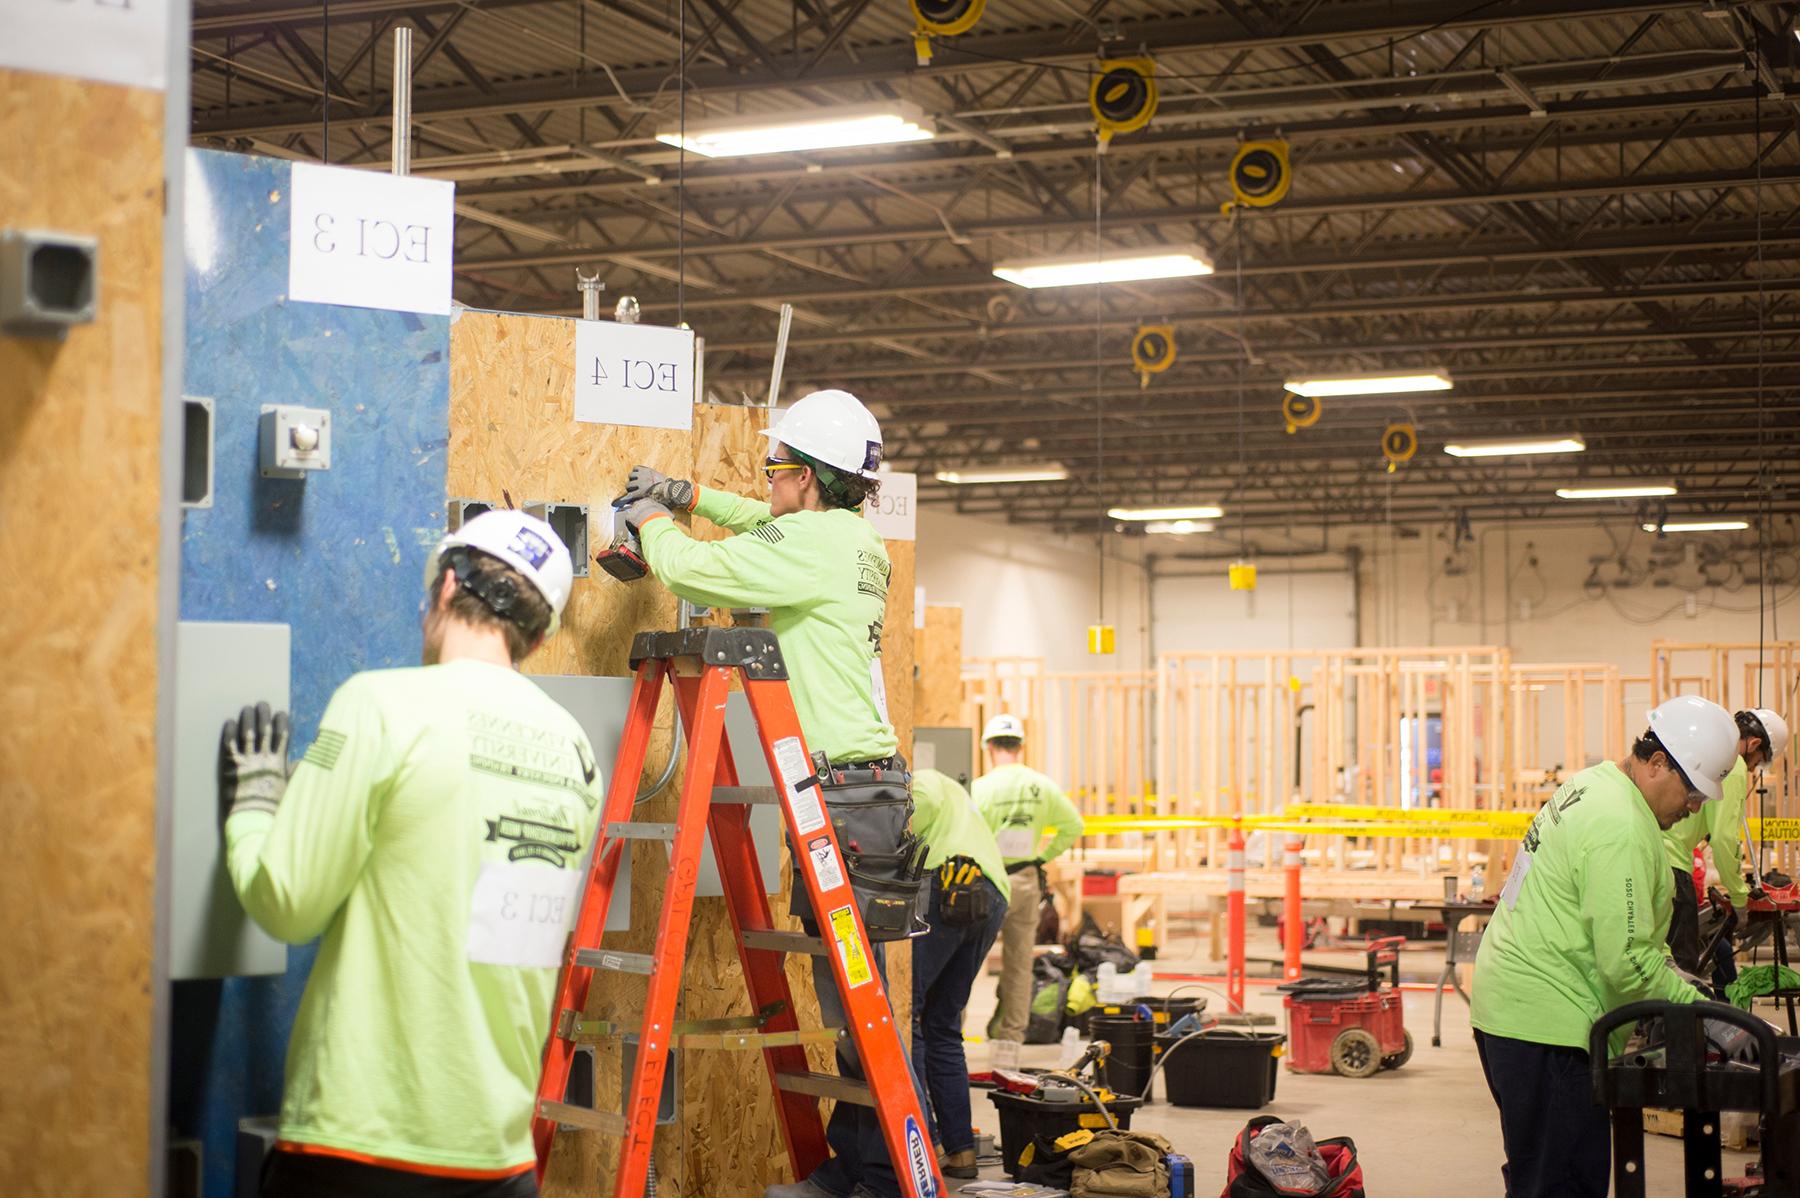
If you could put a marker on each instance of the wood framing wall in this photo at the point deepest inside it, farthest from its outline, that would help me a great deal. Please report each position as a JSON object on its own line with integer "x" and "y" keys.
{"x": 512, "y": 430}
{"x": 80, "y": 453}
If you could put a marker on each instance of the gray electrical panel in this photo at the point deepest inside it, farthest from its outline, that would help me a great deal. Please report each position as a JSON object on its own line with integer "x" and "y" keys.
{"x": 949, "y": 751}
{"x": 219, "y": 668}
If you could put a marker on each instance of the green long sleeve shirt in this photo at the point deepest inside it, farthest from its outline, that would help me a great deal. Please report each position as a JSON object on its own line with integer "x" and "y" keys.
{"x": 1580, "y": 924}
{"x": 1019, "y": 804}
{"x": 945, "y": 818}
{"x": 433, "y": 835}
{"x": 1723, "y": 824}
{"x": 824, "y": 578}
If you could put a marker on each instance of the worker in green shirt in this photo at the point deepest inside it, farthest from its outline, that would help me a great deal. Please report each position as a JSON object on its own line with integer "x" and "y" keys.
{"x": 811, "y": 557}
{"x": 969, "y": 892}
{"x": 1762, "y": 735}
{"x": 1019, "y": 804}
{"x": 1578, "y": 931}
{"x": 433, "y": 837}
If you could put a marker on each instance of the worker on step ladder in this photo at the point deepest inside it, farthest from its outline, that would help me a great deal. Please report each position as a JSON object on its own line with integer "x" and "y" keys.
{"x": 1020, "y": 805}
{"x": 1762, "y": 735}
{"x": 821, "y": 568}
{"x": 1579, "y": 931}
{"x": 433, "y": 836}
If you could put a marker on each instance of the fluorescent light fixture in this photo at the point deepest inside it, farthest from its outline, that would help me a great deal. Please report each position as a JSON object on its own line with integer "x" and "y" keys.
{"x": 1177, "y": 528}
{"x": 823, "y": 129}
{"x": 1504, "y": 447}
{"x": 1120, "y": 266}
{"x": 1190, "y": 512}
{"x": 1374, "y": 382}
{"x": 1639, "y": 491}
{"x": 1048, "y": 473}
{"x": 1698, "y": 526}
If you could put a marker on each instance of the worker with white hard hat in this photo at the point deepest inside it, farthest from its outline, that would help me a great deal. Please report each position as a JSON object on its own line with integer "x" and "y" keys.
{"x": 432, "y": 838}
{"x": 1762, "y": 736}
{"x": 1021, "y": 805}
{"x": 1579, "y": 931}
{"x": 810, "y": 556}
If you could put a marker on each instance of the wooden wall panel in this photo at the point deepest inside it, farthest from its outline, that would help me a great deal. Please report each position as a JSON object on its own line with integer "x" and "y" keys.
{"x": 80, "y": 429}
{"x": 939, "y": 701}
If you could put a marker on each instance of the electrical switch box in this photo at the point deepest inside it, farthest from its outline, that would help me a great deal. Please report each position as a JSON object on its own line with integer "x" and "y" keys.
{"x": 48, "y": 281}
{"x": 294, "y": 440}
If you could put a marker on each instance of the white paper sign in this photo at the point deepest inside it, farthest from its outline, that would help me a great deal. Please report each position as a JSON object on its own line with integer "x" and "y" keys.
{"x": 521, "y": 912}
{"x": 637, "y": 374}
{"x": 112, "y": 41}
{"x": 895, "y": 511}
{"x": 364, "y": 239}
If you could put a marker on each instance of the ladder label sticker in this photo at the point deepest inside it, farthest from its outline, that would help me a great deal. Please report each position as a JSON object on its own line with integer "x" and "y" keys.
{"x": 520, "y": 913}
{"x": 850, "y": 947}
{"x": 924, "y": 1182}
{"x": 826, "y": 868}
{"x": 803, "y": 805}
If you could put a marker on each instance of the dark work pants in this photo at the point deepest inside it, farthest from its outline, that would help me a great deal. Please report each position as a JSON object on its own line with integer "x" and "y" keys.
{"x": 1558, "y": 1140}
{"x": 946, "y": 962}
{"x": 304, "y": 1175}
{"x": 1684, "y": 924}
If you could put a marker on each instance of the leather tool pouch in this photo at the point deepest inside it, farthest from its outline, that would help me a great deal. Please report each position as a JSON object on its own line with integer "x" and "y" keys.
{"x": 964, "y": 897}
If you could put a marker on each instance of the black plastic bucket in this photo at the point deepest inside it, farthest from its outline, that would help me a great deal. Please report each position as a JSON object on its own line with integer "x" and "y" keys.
{"x": 1022, "y": 1117}
{"x": 1133, "y": 1041}
{"x": 1221, "y": 1068}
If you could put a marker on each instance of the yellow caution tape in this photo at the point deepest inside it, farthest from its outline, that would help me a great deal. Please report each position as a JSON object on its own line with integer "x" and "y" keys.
{"x": 1420, "y": 815}
{"x": 1775, "y": 829}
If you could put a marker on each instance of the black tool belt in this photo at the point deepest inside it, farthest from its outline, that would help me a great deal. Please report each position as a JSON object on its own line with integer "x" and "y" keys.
{"x": 870, "y": 807}
{"x": 965, "y": 897}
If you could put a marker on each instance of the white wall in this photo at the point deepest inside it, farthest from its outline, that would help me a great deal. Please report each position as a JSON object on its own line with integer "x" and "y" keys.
{"x": 1030, "y": 595}
{"x": 1292, "y": 607}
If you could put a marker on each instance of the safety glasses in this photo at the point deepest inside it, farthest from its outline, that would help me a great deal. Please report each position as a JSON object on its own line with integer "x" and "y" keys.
{"x": 772, "y": 466}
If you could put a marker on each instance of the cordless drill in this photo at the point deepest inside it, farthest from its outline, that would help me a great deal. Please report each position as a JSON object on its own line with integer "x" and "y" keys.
{"x": 624, "y": 558}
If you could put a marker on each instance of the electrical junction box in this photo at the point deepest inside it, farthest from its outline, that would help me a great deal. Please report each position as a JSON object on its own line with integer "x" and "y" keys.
{"x": 1101, "y": 638}
{"x": 48, "y": 281}
{"x": 294, "y": 441}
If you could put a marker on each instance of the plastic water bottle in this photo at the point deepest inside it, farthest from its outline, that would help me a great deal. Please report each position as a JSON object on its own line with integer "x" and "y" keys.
{"x": 1071, "y": 1048}
{"x": 1477, "y": 884}
{"x": 1107, "y": 983}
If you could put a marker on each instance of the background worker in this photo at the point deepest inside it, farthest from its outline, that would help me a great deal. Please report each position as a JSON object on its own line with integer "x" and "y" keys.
{"x": 433, "y": 835}
{"x": 968, "y": 902}
{"x": 1578, "y": 932}
{"x": 1019, "y": 803}
{"x": 1762, "y": 735}
{"x": 821, "y": 568}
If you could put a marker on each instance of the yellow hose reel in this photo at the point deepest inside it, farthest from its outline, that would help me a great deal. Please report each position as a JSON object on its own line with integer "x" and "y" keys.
{"x": 1299, "y": 411}
{"x": 942, "y": 18}
{"x": 1152, "y": 351}
{"x": 1122, "y": 96}
{"x": 1398, "y": 444}
{"x": 1260, "y": 175}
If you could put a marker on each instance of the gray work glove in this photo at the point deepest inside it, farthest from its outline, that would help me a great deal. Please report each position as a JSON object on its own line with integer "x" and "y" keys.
{"x": 645, "y": 509}
{"x": 645, "y": 483}
{"x": 253, "y": 765}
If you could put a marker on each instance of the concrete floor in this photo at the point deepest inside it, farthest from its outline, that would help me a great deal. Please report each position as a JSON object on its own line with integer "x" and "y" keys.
{"x": 1425, "y": 1130}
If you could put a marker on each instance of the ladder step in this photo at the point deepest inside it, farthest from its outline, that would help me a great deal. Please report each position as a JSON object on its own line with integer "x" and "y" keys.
{"x": 745, "y": 794}
{"x": 758, "y": 1040}
{"x": 785, "y": 942}
{"x": 606, "y": 958}
{"x": 826, "y": 1085}
{"x": 632, "y": 830}
{"x": 584, "y": 1117}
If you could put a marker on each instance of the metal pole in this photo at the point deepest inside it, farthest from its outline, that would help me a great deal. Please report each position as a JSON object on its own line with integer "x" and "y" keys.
{"x": 781, "y": 340}
{"x": 402, "y": 146}
{"x": 1234, "y": 921}
{"x": 1293, "y": 918}
{"x": 590, "y": 287}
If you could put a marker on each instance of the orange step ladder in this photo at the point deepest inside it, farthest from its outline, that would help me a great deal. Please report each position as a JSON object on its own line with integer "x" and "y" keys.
{"x": 701, "y": 663}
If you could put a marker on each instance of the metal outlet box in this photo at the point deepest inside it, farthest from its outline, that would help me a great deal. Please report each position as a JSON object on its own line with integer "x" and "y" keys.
{"x": 48, "y": 281}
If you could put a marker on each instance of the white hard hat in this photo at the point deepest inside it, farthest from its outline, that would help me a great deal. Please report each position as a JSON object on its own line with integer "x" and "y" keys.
{"x": 1004, "y": 725}
{"x": 1702, "y": 738}
{"x": 1776, "y": 729}
{"x": 527, "y": 544}
{"x": 834, "y": 428}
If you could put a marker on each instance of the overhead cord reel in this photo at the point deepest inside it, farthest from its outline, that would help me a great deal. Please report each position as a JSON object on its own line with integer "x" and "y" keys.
{"x": 942, "y": 18}
{"x": 1398, "y": 444}
{"x": 1299, "y": 411}
{"x": 1152, "y": 351}
{"x": 1260, "y": 175}
{"x": 1122, "y": 96}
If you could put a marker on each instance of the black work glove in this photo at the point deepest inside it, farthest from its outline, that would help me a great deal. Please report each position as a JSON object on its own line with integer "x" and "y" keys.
{"x": 645, "y": 483}
{"x": 253, "y": 766}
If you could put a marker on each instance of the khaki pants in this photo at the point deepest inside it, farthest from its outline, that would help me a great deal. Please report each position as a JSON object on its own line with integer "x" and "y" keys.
{"x": 1017, "y": 935}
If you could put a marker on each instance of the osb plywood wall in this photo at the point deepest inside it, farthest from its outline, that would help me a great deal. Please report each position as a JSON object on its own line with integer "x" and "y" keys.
{"x": 78, "y": 603}
{"x": 512, "y": 429}
{"x": 938, "y": 702}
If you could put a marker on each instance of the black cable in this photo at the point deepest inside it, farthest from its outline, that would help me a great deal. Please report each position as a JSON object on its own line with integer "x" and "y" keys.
{"x": 1099, "y": 403}
{"x": 950, "y": 46}
{"x": 1243, "y": 487}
